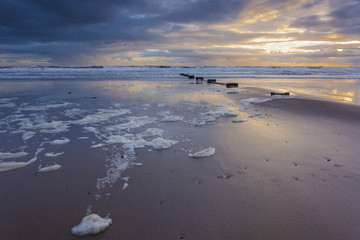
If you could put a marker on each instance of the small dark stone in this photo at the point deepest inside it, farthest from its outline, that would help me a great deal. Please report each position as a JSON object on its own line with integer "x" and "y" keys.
{"x": 94, "y": 97}
{"x": 89, "y": 193}
{"x": 69, "y": 92}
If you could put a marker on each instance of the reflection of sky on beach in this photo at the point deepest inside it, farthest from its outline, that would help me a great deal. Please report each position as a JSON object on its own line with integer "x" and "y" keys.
{"x": 346, "y": 91}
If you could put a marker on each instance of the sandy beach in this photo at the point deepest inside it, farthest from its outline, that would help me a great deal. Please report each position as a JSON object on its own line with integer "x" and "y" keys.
{"x": 283, "y": 168}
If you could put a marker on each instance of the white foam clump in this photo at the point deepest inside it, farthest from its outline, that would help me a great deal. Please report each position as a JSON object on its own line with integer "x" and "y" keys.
{"x": 51, "y": 154}
{"x": 100, "y": 116}
{"x": 161, "y": 143}
{"x": 63, "y": 140}
{"x": 172, "y": 118}
{"x": 135, "y": 122}
{"x": 8, "y": 166}
{"x": 224, "y": 113}
{"x": 129, "y": 141}
{"x": 27, "y": 135}
{"x": 150, "y": 132}
{"x": 97, "y": 145}
{"x": 4, "y": 155}
{"x": 90, "y": 129}
{"x": 125, "y": 186}
{"x": 247, "y": 102}
{"x": 203, "y": 153}
{"x": 210, "y": 117}
{"x": 119, "y": 138}
{"x": 56, "y": 129}
{"x": 131, "y": 144}
{"x": 50, "y": 168}
{"x": 49, "y": 127}
{"x": 91, "y": 224}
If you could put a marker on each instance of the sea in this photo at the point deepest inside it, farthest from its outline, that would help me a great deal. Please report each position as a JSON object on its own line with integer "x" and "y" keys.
{"x": 330, "y": 83}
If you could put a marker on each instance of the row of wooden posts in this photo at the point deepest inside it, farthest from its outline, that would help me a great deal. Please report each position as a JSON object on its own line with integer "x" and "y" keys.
{"x": 228, "y": 85}
{"x": 209, "y": 80}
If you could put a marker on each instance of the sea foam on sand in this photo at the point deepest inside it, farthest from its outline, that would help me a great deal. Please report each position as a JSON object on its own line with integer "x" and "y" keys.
{"x": 60, "y": 141}
{"x": 204, "y": 153}
{"x": 172, "y": 118}
{"x": 7, "y": 166}
{"x": 27, "y": 135}
{"x": 51, "y": 154}
{"x": 100, "y": 116}
{"x": 97, "y": 145}
{"x": 210, "y": 117}
{"x": 150, "y": 132}
{"x": 161, "y": 143}
{"x": 91, "y": 224}
{"x": 248, "y": 102}
{"x": 4, "y": 155}
{"x": 135, "y": 122}
{"x": 50, "y": 168}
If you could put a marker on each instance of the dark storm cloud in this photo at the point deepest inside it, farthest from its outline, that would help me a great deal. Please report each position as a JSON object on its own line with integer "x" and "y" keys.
{"x": 344, "y": 17}
{"x": 67, "y": 27}
{"x": 66, "y": 20}
{"x": 311, "y": 4}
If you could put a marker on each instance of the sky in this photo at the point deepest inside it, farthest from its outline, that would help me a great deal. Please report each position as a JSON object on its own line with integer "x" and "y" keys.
{"x": 180, "y": 32}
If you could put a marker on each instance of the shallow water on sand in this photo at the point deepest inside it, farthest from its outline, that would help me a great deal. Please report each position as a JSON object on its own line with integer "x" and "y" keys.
{"x": 125, "y": 150}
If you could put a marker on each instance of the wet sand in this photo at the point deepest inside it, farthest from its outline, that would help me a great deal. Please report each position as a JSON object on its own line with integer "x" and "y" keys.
{"x": 291, "y": 173}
